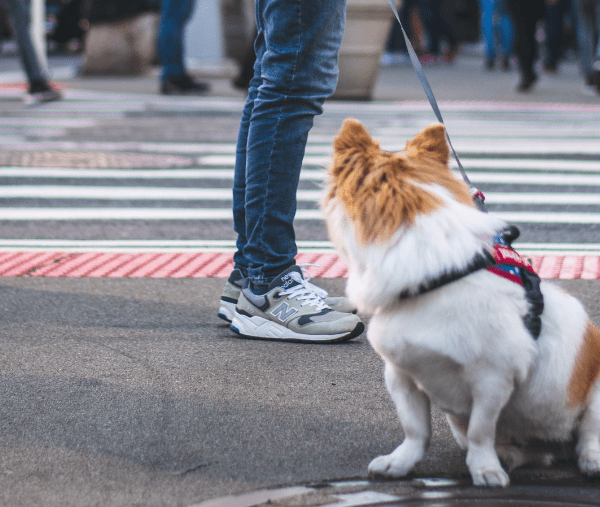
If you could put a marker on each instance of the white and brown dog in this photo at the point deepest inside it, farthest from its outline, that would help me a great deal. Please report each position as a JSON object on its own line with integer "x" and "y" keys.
{"x": 450, "y": 332}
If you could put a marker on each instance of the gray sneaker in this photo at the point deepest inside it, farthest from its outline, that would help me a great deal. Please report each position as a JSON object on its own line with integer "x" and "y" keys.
{"x": 231, "y": 294}
{"x": 292, "y": 311}
{"x": 235, "y": 282}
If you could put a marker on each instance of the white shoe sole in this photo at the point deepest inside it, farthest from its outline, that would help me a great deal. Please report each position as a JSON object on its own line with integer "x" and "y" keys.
{"x": 258, "y": 327}
{"x": 226, "y": 311}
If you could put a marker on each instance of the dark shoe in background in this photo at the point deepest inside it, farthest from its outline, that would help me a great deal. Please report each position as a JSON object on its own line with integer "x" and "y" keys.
{"x": 527, "y": 82}
{"x": 41, "y": 91}
{"x": 183, "y": 85}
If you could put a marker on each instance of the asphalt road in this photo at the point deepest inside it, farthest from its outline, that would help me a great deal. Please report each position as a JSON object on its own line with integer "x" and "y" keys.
{"x": 124, "y": 391}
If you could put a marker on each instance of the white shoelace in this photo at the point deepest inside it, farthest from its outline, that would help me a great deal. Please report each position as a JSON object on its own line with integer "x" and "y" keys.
{"x": 305, "y": 293}
{"x": 322, "y": 293}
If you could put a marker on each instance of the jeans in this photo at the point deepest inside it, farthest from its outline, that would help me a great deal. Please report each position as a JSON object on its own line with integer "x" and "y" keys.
{"x": 496, "y": 21}
{"x": 174, "y": 15}
{"x": 295, "y": 71}
{"x": 19, "y": 14}
{"x": 588, "y": 21}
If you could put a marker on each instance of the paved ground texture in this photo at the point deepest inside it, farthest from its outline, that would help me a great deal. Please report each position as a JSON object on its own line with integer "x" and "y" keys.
{"x": 119, "y": 386}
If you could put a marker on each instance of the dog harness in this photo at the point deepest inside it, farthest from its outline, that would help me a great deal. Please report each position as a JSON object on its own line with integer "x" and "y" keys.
{"x": 512, "y": 266}
{"x": 504, "y": 262}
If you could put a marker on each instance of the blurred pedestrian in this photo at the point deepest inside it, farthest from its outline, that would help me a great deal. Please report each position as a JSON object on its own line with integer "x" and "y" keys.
{"x": 553, "y": 44}
{"x": 437, "y": 29}
{"x": 525, "y": 15}
{"x": 39, "y": 89}
{"x": 588, "y": 36}
{"x": 174, "y": 78}
{"x": 496, "y": 25}
{"x": 267, "y": 295}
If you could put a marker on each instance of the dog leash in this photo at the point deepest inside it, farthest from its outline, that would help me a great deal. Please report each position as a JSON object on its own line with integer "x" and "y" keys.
{"x": 476, "y": 194}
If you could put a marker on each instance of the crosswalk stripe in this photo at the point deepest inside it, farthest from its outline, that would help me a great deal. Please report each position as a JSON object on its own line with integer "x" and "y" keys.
{"x": 82, "y": 213}
{"x": 211, "y": 245}
{"x": 113, "y": 193}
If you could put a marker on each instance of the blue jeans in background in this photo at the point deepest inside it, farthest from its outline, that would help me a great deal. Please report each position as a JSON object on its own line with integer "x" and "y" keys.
{"x": 174, "y": 15}
{"x": 588, "y": 23}
{"x": 18, "y": 11}
{"x": 295, "y": 71}
{"x": 496, "y": 24}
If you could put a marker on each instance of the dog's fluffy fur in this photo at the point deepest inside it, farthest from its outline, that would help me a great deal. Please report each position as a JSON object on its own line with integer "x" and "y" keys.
{"x": 400, "y": 219}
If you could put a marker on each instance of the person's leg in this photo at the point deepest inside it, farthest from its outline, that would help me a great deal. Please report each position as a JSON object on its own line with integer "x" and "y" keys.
{"x": 487, "y": 29}
{"x": 585, "y": 37}
{"x": 505, "y": 29}
{"x": 19, "y": 15}
{"x": 295, "y": 72}
{"x": 524, "y": 18}
{"x": 173, "y": 17}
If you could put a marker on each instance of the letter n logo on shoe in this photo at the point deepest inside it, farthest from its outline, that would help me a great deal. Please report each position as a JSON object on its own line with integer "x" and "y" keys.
{"x": 283, "y": 312}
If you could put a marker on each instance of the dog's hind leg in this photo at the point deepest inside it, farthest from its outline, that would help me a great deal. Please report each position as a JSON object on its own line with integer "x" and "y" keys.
{"x": 588, "y": 443}
{"x": 490, "y": 394}
{"x": 414, "y": 411}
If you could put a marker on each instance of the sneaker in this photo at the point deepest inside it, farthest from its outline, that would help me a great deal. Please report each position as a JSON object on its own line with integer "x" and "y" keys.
{"x": 41, "y": 91}
{"x": 183, "y": 85}
{"x": 235, "y": 282}
{"x": 292, "y": 311}
{"x": 596, "y": 75}
{"x": 231, "y": 294}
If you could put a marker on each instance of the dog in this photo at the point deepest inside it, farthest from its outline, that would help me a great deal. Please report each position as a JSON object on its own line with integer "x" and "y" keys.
{"x": 452, "y": 331}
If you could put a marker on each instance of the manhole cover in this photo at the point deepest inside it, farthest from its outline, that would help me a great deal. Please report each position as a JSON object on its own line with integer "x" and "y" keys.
{"x": 415, "y": 493}
{"x": 91, "y": 159}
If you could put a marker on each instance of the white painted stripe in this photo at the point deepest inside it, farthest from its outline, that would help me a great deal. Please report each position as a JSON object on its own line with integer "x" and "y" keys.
{"x": 306, "y": 174}
{"x": 528, "y": 164}
{"x": 578, "y": 199}
{"x": 325, "y": 160}
{"x": 166, "y": 174}
{"x": 41, "y": 122}
{"x": 114, "y": 193}
{"x": 61, "y": 245}
{"x": 226, "y": 214}
{"x": 225, "y": 194}
{"x": 535, "y": 179}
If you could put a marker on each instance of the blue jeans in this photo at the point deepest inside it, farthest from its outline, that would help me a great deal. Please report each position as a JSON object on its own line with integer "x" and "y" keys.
{"x": 495, "y": 20}
{"x": 174, "y": 15}
{"x": 18, "y": 11}
{"x": 295, "y": 71}
{"x": 588, "y": 21}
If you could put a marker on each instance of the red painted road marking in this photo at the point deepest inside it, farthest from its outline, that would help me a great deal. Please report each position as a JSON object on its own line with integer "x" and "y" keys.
{"x": 208, "y": 265}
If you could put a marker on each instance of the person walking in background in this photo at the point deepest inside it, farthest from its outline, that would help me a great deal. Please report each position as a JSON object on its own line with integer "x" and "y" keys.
{"x": 555, "y": 14}
{"x": 174, "y": 78}
{"x": 496, "y": 25}
{"x": 437, "y": 29}
{"x": 525, "y": 14}
{"x": 588, "y": 37}
{"x": 267, "y": 295}
{"x": 39, "y": 89}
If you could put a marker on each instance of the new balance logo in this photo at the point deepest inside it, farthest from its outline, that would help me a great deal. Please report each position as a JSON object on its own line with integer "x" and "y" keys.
{"x": 283, "y": 312}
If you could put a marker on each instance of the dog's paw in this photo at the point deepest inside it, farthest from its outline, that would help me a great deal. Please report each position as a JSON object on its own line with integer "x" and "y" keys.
{"x": 490, "y": 477}
{"x": 388, "y": 466}
{"x": 589, "y": 463}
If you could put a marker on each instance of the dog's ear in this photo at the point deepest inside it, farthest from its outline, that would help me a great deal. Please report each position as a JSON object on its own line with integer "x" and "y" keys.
{"x": 431, "y": 142}
{"x": 353, "y": 135}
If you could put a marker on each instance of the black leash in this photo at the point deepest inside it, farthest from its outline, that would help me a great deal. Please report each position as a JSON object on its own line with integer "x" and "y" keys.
{"x": 476, "y": 194}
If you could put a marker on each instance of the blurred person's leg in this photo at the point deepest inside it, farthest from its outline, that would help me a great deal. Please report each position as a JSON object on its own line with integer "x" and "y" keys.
{"x": 486, "y": 10}
{"x": 39, "y": 90}
{"x": 506, "y": 33}
{"x": 174, "y": 78}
